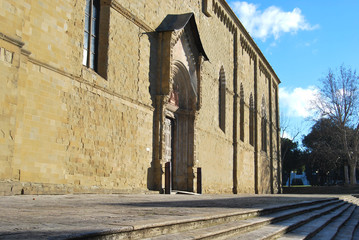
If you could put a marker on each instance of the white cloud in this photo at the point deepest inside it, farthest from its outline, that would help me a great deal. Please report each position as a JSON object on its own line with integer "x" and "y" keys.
{"x": 285, "y": 134}
{"x": 273, "y": 21}
{"x": 297, "y": 103}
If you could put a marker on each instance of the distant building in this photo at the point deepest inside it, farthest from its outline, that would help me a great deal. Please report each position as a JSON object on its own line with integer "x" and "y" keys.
{"x": 297, "y": 179}
{"x": 98, "y": 95}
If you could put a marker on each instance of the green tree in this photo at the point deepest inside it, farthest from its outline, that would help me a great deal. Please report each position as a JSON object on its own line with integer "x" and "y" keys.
{"x": 325, "y": 152}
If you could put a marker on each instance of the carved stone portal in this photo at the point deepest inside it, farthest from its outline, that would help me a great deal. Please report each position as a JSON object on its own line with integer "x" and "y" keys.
{"x": 181, "y": 54}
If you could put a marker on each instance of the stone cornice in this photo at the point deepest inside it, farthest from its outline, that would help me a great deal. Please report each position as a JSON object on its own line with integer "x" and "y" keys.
{"x": 221, "y": 14}
{"x": 246, "y": 46}
{"x": 264, "y": 70}
{"x": 114, "y": 4}
{"x": 81, "y": 80}
{"x": 12, "y": 40}
{"x": 20, "y": 44}
{"x": 230, "y": 17}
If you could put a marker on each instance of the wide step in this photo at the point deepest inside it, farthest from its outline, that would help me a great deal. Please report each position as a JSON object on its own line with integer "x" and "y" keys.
{"x": 275, "y": 230}
{"x": 223, "y": 231}
{"x": 320, "y": 219}
{"x": 311, "y": 228}
{"x": 331, "y": 230}
{"x": 349, "y": 227}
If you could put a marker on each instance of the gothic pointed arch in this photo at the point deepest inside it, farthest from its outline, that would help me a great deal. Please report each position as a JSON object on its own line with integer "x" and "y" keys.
{"x": 241, "y": 113}
{"x": 183, "y": 95}
{"x": 263, "y": 107}
{"x": 180, "y": 56}
{"x": 222, "y": 99}
{"x": 251, "y": 120}
{"x": 263, "y": 125}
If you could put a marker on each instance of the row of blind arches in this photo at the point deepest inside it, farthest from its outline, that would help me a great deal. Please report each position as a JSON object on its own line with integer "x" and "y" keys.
{"x": 222, "y": 113}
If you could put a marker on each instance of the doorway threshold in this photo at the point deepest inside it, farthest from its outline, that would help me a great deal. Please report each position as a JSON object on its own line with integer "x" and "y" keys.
{"x": 183, "y": 192}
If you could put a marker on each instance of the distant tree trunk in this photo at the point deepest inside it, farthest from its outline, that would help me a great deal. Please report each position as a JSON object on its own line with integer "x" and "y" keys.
{"x": 352, "y": 156}
{"x": 353, "y": 178}
{"x": 354, "y": 160}
{"x": 346, "y": 174}
{"x": 353, "y": 164}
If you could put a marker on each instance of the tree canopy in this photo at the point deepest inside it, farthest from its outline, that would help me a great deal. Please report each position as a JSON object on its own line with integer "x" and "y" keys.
{"x": 325, "y": 154}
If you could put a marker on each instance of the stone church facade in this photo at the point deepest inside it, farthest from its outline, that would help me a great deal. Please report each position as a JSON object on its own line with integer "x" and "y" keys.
{"x": 110, "y": 96}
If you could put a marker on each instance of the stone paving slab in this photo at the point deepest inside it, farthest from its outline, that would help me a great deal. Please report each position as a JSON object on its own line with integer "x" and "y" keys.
{"x": 61, "y": 216}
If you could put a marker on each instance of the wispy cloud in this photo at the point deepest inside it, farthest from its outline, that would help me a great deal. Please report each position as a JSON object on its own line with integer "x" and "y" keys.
{"x": 285, "y": 134}
{"x": 273, "y": 21}
{"x": 297, "y": 102}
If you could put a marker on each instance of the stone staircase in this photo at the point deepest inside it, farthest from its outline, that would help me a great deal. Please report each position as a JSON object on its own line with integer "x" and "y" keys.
{"x": 332, "y": 218}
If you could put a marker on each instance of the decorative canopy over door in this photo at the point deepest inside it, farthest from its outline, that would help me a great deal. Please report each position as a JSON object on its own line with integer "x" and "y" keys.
{"x": 180, "y": 53}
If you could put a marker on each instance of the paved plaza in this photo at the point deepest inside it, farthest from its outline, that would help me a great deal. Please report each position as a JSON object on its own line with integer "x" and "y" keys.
{"x": 64, "y": 216}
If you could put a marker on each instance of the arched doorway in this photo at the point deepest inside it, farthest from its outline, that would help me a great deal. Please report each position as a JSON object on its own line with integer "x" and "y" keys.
{"x": 176, "y": 102}
{"x": 179, "y": 128}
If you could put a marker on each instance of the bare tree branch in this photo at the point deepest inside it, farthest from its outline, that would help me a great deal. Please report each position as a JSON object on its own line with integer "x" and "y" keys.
{"x": 337, "y": 100}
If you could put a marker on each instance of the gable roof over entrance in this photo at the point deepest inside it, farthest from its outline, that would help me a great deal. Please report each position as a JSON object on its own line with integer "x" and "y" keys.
{"x": 174, "y": 22}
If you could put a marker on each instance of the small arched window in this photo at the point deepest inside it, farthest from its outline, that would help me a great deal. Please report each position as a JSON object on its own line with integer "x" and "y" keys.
{"x": 264, "y": 126}
{"x": 222, "y": 100}
{"x": 251, "y": 120}
{"x": 241, "y": 112}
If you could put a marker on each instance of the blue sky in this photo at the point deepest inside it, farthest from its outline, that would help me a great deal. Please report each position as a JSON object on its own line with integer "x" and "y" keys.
{"x": 302, "y": 39}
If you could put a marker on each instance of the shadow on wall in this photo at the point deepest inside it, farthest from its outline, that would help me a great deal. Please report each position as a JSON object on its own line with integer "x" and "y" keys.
{"x": 152, "y": 182}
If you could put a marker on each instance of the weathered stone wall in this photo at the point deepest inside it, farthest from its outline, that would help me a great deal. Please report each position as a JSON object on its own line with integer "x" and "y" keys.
{"x": 65, "y": 128}
{"x": 9, "y": 62}
{"x": 10, "y": 16}
{"x": 215, "y": 150}
{"x": 264, "y": 164}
